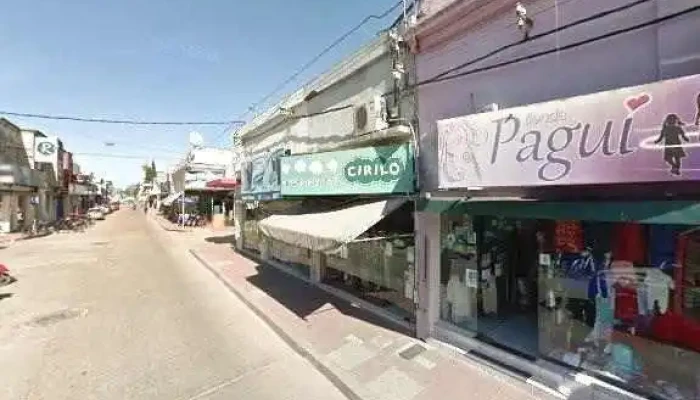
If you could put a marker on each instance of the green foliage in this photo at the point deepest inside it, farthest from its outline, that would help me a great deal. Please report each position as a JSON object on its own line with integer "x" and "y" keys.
{"x": 149, "y": 172}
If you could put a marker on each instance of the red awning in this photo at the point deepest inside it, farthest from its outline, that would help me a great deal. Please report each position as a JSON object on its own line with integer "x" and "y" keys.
{"x": 223, "y": 183}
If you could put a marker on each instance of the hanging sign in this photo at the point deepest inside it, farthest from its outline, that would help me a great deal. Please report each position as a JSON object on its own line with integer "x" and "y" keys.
{"x": 644, "y": 133}
{"x": 46, "y": 150}
{"x": 368, "y": 170}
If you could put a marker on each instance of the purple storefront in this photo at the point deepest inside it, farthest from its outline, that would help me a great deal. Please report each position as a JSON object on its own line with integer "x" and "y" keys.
{"x": 558, "y": 225}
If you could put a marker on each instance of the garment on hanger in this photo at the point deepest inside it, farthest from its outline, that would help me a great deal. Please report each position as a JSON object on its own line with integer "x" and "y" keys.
{"x": 598, "y": 285}
{"x": 626, "y": 302}
{"x": 657, "y": 285}
{"x": 604, "y": 318}
{"x": 629, "y": 244}
{"x": 568, "y": 236}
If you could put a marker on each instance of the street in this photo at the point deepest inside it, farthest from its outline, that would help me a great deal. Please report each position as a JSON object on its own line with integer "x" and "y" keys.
{"x": 117, "y": 313}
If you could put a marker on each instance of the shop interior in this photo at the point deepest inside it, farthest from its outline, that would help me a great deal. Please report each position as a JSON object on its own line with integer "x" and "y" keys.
{"x": 618, "y": 299}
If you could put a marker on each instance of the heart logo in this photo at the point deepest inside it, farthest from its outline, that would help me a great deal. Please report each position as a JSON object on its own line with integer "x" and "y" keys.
{"x": 633, "y": 103}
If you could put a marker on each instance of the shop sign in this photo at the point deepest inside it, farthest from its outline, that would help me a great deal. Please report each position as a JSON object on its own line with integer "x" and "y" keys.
{"x": 46, "y": 149}
{"x": 261, "y": 177}
{"x": 369, "y": 170}
{"x": 645, "y": 133}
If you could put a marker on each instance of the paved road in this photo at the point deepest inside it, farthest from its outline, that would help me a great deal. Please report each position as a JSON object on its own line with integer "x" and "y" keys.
{"x": 116, "y": 313}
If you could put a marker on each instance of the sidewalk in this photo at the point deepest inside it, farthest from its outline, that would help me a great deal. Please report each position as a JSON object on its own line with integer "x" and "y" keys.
{"x": 365, "y": 356}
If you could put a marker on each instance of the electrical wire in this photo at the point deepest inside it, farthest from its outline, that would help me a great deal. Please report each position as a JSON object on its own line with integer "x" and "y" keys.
{"x": 570, "y": 46}
{"x": 125, "y": 156}
{"x": 539, "y": 36}
{"x": 113, "y": 121}
{"x": 311, "y": 62}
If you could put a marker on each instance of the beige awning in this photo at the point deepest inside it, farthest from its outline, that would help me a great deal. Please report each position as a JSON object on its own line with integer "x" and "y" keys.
{"x": 327, "y": 230}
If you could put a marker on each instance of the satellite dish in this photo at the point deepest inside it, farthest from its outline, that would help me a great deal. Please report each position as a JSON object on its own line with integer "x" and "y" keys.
{"x": 196, "y": 139}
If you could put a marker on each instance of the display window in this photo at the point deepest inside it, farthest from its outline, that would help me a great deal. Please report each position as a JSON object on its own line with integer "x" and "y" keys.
{"x": 379, "y": 266}
{"x": 620, "y": 300}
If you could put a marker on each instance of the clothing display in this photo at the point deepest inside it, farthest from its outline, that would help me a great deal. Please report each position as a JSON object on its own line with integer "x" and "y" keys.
{"x": 626, "y": 303}
{"x": 658, "y": 286}
{"x": 598, "y": 285}
{"x": 568, "y": 236}
{"x": 604, "y": 318}
{"x": 602, "y": 297}
{"x": 629, "y": 243}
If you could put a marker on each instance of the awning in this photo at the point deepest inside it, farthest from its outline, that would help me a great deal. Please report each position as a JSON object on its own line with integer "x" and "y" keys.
{"x": 224, "y": 183}
{"x": 171, "y": 198}
{"x": 327, "y": 230}
{"x": 645, "y": 212}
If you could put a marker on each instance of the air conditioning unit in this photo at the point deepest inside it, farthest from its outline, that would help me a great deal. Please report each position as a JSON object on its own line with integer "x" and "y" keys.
{"x": 371, "y": 116}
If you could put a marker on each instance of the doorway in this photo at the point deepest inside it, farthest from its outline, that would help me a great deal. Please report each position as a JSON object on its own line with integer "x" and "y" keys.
{"x": 508, "y": 268}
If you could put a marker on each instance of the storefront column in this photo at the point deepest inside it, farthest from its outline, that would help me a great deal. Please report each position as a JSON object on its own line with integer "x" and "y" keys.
{"x": 318, "y": 266}
{"x": 427, "y": 227}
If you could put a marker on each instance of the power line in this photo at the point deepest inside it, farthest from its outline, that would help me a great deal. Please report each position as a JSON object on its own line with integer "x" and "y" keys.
{"x": 313, "y": 60}
{"x": 562, "y": 48}
{"x": 540, "y": 35}
{"x": 327, "y": 49}
{"x": 115, "y": 121}
{"x": 125, "y": 156}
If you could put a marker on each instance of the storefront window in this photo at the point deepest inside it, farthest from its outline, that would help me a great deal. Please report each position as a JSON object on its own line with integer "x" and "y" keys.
{"x": 378, "y": 270}
{"x": 379, "y": 267}
{"x": 620, "y": 300}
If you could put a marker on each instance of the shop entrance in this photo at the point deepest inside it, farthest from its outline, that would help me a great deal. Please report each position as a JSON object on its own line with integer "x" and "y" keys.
{"x": 489, "y": 280}
{"x": 507, "y": 260}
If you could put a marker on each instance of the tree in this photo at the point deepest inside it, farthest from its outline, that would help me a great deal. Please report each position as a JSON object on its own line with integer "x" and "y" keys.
{"x": 149, "y": 172}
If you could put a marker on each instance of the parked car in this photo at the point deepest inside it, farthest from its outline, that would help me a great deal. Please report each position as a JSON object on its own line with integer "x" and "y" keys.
{"x": 114, "y": 206}
{"x": 96, "y": 213}
{"x": 105, "y": 210}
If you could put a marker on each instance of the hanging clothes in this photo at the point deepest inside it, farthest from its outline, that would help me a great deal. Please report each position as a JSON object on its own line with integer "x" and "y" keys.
{"x": 658, "y": 285}
{"x": 598, "y": 286}
{"x": 626, "y": 303}
{"x": 629, "y": 244}
{"x": 604, "y": 318}
{"x": 568, "y": 236}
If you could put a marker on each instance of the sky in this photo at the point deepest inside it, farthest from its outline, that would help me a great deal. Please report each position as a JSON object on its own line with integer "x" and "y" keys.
{"x": 161, "y": 60}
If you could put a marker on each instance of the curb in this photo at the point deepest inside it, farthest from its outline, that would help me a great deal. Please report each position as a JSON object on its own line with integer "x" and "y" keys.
{"x": 287, "y": 338}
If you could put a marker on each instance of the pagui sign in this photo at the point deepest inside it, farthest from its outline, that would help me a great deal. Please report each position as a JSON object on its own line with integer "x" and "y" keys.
{"x": 645, "y": 133}
{"x": 369, "y": 170}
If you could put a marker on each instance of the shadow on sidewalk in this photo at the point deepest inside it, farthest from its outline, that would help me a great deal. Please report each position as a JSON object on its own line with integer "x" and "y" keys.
{"x": 228, "y": 239}
{"x": 304, "y": 299}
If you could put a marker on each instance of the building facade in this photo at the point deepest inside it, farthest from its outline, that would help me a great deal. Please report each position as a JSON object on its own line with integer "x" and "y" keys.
{"x": 558, "y": 207}
{"x": 19, "y": 181}
{"x": 328, "y": 179}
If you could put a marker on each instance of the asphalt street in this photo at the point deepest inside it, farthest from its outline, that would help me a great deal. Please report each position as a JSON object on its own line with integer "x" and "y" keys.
{"x": 119, "y": 313}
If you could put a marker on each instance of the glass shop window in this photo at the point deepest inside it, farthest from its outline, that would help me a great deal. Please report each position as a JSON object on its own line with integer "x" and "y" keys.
{"x": 621, "y": 300}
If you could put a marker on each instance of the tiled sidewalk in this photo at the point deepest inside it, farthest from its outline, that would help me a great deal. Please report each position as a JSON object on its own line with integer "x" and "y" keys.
{"x": 368, "y": 357}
